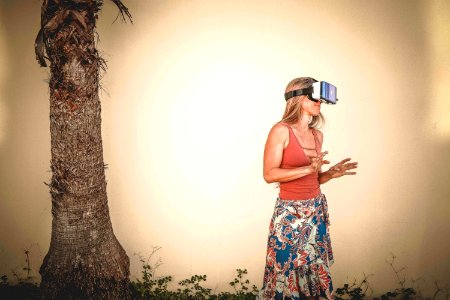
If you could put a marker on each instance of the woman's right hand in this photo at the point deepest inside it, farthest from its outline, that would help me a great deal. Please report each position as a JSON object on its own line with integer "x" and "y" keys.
{"x": 317, "y": 162}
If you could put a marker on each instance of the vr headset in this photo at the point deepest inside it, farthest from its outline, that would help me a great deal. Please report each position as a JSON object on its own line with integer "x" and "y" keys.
{"x": 320, "y": 91}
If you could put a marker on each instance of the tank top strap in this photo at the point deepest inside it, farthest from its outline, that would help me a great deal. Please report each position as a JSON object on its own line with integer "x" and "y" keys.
{"x": 289, "y": 127}
{"x": 291, "y": 133}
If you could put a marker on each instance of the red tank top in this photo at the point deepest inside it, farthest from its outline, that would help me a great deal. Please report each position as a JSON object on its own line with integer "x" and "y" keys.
{"x": 294, "y": 156}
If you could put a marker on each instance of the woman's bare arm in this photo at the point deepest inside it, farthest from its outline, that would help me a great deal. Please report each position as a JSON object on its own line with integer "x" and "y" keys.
{"x": 273, "y": 154}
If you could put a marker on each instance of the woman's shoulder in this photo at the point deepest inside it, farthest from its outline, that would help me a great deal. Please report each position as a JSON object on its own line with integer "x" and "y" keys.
{"x": 280, "y": 129}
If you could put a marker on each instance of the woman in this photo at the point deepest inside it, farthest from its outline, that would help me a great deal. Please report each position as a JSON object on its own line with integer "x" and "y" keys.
{"x": 299, "y": 251}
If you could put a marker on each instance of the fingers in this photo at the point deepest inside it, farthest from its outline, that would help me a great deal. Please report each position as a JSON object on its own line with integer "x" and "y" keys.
{"x": 338, "y": 169}
{"x": 350, "y": 166}
{"x": 317, "y": 162}
{"x": 347, "y": 166}
{"x": 344, "y": 161}
{"x": 322, "y": 154}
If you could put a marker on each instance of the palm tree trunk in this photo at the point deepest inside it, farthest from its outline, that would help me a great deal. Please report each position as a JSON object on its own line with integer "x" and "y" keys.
{"x": 85, "y": 260}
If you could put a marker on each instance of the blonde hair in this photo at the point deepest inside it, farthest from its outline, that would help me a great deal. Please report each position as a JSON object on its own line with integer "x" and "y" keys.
{"x": 293, "y": 109}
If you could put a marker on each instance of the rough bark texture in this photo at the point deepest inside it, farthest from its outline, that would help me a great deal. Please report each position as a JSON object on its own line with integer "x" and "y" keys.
{"x": 85, "y": 260}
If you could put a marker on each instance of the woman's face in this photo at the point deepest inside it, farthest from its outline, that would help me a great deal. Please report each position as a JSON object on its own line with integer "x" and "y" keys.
{"x": 310, "y": 107}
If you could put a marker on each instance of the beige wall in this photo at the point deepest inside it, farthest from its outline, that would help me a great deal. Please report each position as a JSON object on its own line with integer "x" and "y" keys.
{"x": 193, "y": 88}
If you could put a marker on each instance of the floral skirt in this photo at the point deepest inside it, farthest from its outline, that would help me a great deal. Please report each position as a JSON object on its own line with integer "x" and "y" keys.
{"x": 299, "y": 251}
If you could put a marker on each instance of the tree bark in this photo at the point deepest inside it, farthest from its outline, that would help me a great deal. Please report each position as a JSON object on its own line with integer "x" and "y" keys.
{"x": 85, "y": 260}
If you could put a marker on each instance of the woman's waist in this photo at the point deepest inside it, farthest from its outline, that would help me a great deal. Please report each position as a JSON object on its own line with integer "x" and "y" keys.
{"x": 305, "y": 194}
{"x": 300, "y": 189}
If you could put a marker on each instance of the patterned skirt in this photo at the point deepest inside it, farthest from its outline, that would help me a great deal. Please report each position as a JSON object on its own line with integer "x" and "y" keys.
{"x": 299, "y": 251}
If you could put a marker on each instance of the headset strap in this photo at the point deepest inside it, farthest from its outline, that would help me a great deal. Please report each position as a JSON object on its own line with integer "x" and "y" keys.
{"x": 299, "y": 92}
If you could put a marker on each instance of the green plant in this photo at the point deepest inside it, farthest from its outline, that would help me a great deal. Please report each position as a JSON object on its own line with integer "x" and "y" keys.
{"x": 240, "y": 286}
{"x": 150, "y": 286}
{"x": 354, "y": 291}
{"x": 193, "y": 289}
{"x": 26, "y": 287}
{"x": 403, "y": 292}
{"x": 24, "y": 275}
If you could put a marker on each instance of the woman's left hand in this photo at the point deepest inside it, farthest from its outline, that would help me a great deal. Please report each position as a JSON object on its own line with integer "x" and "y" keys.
{"x": 342, "y": 168}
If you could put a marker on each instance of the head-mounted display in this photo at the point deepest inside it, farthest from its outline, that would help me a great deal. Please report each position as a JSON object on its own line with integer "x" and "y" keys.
{"x": 320, "y": 91}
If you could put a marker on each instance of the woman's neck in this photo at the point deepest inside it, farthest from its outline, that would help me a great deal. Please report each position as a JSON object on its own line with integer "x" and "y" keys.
{"x": 302, "y": 125}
